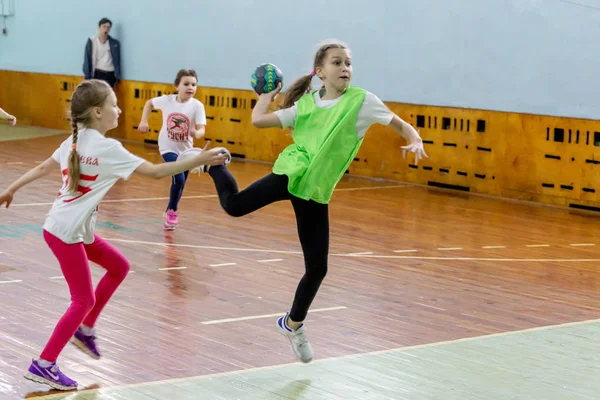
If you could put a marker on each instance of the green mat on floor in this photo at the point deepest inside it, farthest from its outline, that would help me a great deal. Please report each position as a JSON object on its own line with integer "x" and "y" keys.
{"x": 23, "y": 132}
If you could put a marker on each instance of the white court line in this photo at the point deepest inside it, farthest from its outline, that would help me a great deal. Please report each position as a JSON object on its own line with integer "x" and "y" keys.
{"x": 221, "y": 265}
{"x": 203, "y": 247}
{"x": 120, "y": 200}
{"x": 428, "y": 306}
{"x": 449, "y": 248}
{"x": 18, "y": 342}
{"x": 57, "y": 277}
{"x": 271, "y": 260}
{"x": 15, "y": 163}
{"x": 171, "y": 268}
{"x": 405, "y": 251}
{"x": 15, "y": 281}
{"x": 537, "y": 245}
{"x": 493, "y": 247}
{"x": 192, "y": 197}
{"x": 325, "y": 360}
{"x": 222, "y": 321}
{"x": 582, "y": 244}
{"x": 364, "y": 253}
{"x": 477, "y": 258}
{"x": 366, "y": 256}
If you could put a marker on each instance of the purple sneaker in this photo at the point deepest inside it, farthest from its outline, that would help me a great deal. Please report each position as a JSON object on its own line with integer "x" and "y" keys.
{"x": 50, "y": 375}
{"x": 85, "y": 343}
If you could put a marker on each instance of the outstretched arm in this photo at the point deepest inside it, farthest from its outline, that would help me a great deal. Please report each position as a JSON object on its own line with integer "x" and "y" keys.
{"x": 415, "y": 143}
{"x": 41, "y": 170}
{"x": 11, "y": 118}
{"x": 214, "y": 156}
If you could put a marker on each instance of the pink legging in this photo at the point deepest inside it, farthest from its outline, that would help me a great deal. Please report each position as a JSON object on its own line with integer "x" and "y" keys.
{"x": 85, "y": 304}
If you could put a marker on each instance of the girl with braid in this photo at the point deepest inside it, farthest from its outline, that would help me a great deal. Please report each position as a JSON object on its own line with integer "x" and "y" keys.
{"x": 90, "y": 165}
{"x": 328, "y": 128}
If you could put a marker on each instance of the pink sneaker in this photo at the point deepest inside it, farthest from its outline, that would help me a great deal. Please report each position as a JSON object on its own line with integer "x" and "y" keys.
{"x": 170, "y": 219}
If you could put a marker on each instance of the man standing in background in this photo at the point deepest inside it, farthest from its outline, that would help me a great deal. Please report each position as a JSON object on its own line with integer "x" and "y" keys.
{"x": 102, "y": 59}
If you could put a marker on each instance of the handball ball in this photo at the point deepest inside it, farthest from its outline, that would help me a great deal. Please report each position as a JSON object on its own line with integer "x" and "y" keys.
{"x": 265, "y": 78}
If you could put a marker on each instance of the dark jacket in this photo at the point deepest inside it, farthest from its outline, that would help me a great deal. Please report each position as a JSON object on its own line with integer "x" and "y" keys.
{"x": 115, "y": 53}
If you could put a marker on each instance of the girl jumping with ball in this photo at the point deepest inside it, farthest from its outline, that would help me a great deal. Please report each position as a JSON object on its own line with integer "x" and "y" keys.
{"x": 329, "y": 125}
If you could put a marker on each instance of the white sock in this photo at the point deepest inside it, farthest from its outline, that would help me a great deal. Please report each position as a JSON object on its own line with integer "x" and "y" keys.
{"x": 43, "y": 363}
{"x": 87, "y": 331}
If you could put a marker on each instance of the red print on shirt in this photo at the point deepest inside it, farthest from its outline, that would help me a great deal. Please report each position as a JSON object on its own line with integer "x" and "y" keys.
{"x": 82, "y": 190}
{"x": 178, "y": 127}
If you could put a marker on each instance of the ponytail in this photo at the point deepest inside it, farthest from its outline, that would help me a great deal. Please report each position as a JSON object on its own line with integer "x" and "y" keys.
{"x": 298, "y": 89}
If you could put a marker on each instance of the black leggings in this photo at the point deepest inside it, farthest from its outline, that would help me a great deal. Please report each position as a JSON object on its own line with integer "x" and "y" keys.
{"x": 312, "y": 219}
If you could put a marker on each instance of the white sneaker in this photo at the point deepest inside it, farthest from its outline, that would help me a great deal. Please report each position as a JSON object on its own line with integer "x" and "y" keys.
{"x": 297, "y": 338}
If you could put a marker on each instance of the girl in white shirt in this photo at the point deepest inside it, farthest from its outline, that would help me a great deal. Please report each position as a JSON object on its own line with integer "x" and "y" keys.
{"x": 184, "y": 120}
{"x": 90, "y": 165}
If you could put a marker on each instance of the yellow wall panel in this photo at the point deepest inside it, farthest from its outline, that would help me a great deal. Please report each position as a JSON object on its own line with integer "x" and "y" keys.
{"x": 541, "y": 158}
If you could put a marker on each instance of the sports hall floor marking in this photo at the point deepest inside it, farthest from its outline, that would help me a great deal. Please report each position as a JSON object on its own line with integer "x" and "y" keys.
{"x": 354, "y": 255}
{"x": 476, "y": 258}
{"x": 582, "y": 244}
{"x": 493, "y": 247}
{"x": 537, "y": 245}
{"x": 120, "y": 200}
{"x": 171, "y": 268}
{"x": 365, "y": 255}
{"x": 324, "y": 360}
{"x": 221, "y": 265}
{"x": 199, "y": 197}
{"x": 193, "y": 246}
{"x": 222, "y": 321}
{"x": 428, "y": 306}
{"x": 270, "y": 260}
{"x": 449, "y": 248}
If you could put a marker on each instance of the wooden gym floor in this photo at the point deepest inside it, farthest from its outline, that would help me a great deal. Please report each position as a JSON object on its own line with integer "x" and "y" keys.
{"x": 431, "y": 294}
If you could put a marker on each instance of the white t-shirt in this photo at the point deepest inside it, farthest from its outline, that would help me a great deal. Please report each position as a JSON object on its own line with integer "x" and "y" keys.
{"x": 372, "y": 111}
{"x": 177, "y": 117}
{"x": 103, "y": 161}
{"x": 104, "y": 61}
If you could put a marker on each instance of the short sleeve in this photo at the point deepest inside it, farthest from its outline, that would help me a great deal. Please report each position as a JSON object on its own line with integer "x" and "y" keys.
{"x": 374, "y": 111}
{"x": 56, "y": 155}
{"x": 121, "y": 161}
{"x": 287, "y": 116}
{"x": 160, "y": 102}
{"x": 200, "y": 114}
